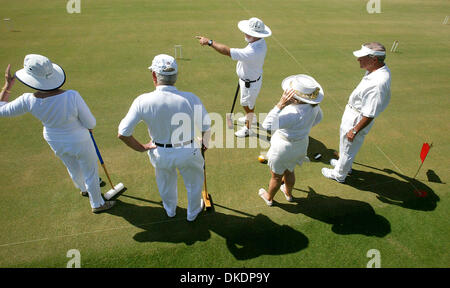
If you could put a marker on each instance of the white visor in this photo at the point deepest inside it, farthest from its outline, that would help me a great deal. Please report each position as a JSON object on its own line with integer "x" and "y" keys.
{"x": 364, "y": 51}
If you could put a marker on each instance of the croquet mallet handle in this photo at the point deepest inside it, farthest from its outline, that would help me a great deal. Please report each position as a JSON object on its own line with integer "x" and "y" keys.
{"x": 235, "y": 97}
{"x": 101, "y": 159}
{"x": 96, "y": 148}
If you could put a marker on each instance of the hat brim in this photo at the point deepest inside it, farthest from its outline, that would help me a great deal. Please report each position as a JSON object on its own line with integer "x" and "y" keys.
{"x": 57, "y": 79}
{"x": 360, "y": 53}
{"x": 285, "y": 85}
{"x": 243, "y": 26}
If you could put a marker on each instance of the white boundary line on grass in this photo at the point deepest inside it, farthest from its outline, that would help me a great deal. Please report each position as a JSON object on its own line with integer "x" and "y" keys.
{"x": 137, "y": 225}
{"x": 95, "y": 231}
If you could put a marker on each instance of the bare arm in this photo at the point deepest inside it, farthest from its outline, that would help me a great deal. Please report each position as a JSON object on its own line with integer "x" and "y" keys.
{"x": 361, "y": 125}
{"x": 219, "y": 47}
{"x": 134, "y": 144}
{"x": 9, "y": 82}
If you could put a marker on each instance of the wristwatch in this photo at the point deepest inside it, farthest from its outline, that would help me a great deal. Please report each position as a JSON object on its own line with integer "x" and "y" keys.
{"x": 210, "y": 42}
{"x": 354, "y": 131}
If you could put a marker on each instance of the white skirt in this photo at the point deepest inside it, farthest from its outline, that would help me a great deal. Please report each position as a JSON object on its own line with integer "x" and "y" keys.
{"x": 285, "y": 155}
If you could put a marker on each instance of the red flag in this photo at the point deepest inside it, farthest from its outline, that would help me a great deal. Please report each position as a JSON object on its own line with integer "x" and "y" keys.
{"x": 424, "y": 152}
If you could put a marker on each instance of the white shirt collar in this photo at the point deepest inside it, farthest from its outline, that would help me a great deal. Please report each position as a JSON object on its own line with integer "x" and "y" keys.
{"x": 374, "y": 73}
{"x": 166, "y": 88}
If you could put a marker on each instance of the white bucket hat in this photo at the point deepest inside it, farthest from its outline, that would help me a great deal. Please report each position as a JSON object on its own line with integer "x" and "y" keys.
{"x": 364, "y": 51}
{"x": 40, "y": 73}
{"x": 254, "y": 27}
{"x": 164, "y": 65}
{"x": 306, "y": 88}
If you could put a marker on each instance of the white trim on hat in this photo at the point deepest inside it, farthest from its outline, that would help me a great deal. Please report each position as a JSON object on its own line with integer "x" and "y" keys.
{"x": 364, "y": 51}
{"x": 244, "y": 26}
{"x": 304, "y": 86}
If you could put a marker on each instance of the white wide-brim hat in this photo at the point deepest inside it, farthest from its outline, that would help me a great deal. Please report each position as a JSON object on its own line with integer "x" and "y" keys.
{"x": 254, "y": 27}
{"x": 306, "y": 88}
{"x": 40, "y": 73}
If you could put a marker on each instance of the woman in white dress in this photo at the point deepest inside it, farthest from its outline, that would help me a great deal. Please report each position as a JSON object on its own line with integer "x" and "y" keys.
{"x": 290, "y": 122}
{"x": 66, "y": 119}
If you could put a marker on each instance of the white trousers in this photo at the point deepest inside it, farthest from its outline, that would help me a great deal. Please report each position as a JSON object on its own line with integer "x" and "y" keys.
{"x": 347, "y": 149}
{"x": 189, "y": 162}
{"x": 80, "y": 160}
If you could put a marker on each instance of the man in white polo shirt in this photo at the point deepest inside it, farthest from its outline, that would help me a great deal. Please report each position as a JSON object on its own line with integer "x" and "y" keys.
{"x": 171, "y": 116}
{"x": 249, "y": 67}
{"x": 366, "y": 102}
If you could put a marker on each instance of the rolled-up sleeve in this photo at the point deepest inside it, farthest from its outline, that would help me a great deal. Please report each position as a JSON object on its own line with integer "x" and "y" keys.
{"x": 133, "y": 117}
{"x": 242, "y": 54}
{"x": 14, "y": 108}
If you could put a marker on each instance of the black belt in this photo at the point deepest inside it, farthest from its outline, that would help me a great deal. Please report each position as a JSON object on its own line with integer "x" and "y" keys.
{"x": 174, "y": 145}
{"x": 248, "y": 82}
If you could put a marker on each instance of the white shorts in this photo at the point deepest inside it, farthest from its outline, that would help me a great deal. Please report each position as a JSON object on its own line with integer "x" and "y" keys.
{"x": 249, "y": 95}
{"x": 284, "y": 155}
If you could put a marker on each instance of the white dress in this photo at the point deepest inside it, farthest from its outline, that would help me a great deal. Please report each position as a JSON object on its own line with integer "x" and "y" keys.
{"x": 289, "y": 143}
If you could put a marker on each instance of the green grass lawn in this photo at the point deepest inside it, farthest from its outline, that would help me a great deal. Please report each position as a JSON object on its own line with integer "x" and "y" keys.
{"x": 105, "y": 51}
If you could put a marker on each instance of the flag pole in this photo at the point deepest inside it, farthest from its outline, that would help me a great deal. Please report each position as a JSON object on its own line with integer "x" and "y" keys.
{"x": 431, "y": 145}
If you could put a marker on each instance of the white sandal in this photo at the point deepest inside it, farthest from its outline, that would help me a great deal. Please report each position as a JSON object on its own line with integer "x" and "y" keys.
{"x": 261, "y": 194}
{"x": 288, "y": 198}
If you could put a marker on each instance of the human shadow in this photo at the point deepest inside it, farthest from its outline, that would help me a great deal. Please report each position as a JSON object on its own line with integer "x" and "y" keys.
{"x": 246, "y": 237}
{"x": 408, "y": 192}
{"x": 346, "y": 216}
{"x": 315, "y": 146}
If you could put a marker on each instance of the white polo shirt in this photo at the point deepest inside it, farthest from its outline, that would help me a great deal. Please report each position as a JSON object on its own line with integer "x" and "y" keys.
{"x": 294, "y": 122}
{"x": 250, "y": 60}
{"x": 66, "y": 117}
{"x": 171, "y": 115}
{"x": 373, "y": 93}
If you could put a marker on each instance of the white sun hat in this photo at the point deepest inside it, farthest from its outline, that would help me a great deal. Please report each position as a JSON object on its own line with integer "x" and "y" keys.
{"x": 306, "y": 88}
{"x": 40, "y": 73}
{"x": 164, "y": 65}
{"x": 254, "y": 27}
{"x": 364, "y": 51}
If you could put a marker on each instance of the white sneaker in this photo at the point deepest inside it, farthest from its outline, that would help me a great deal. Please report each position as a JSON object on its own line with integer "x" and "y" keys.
{"x": 202, "y": 205}
{"x": 329, "y": 173}
{"x": 333, "y": 162}
{"x": 244, "y": 132}
{"x": 283, "y": 189}
{"x": 242, "y": 120}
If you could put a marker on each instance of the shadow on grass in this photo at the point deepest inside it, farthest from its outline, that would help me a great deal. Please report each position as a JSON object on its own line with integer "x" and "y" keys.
{"x": 246, "y": 237}
{"x": 407, "y": 193}
{"x": 315, "y": 146}
{"x": 346, "y": 216}
{"x": 433, "y": 177}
